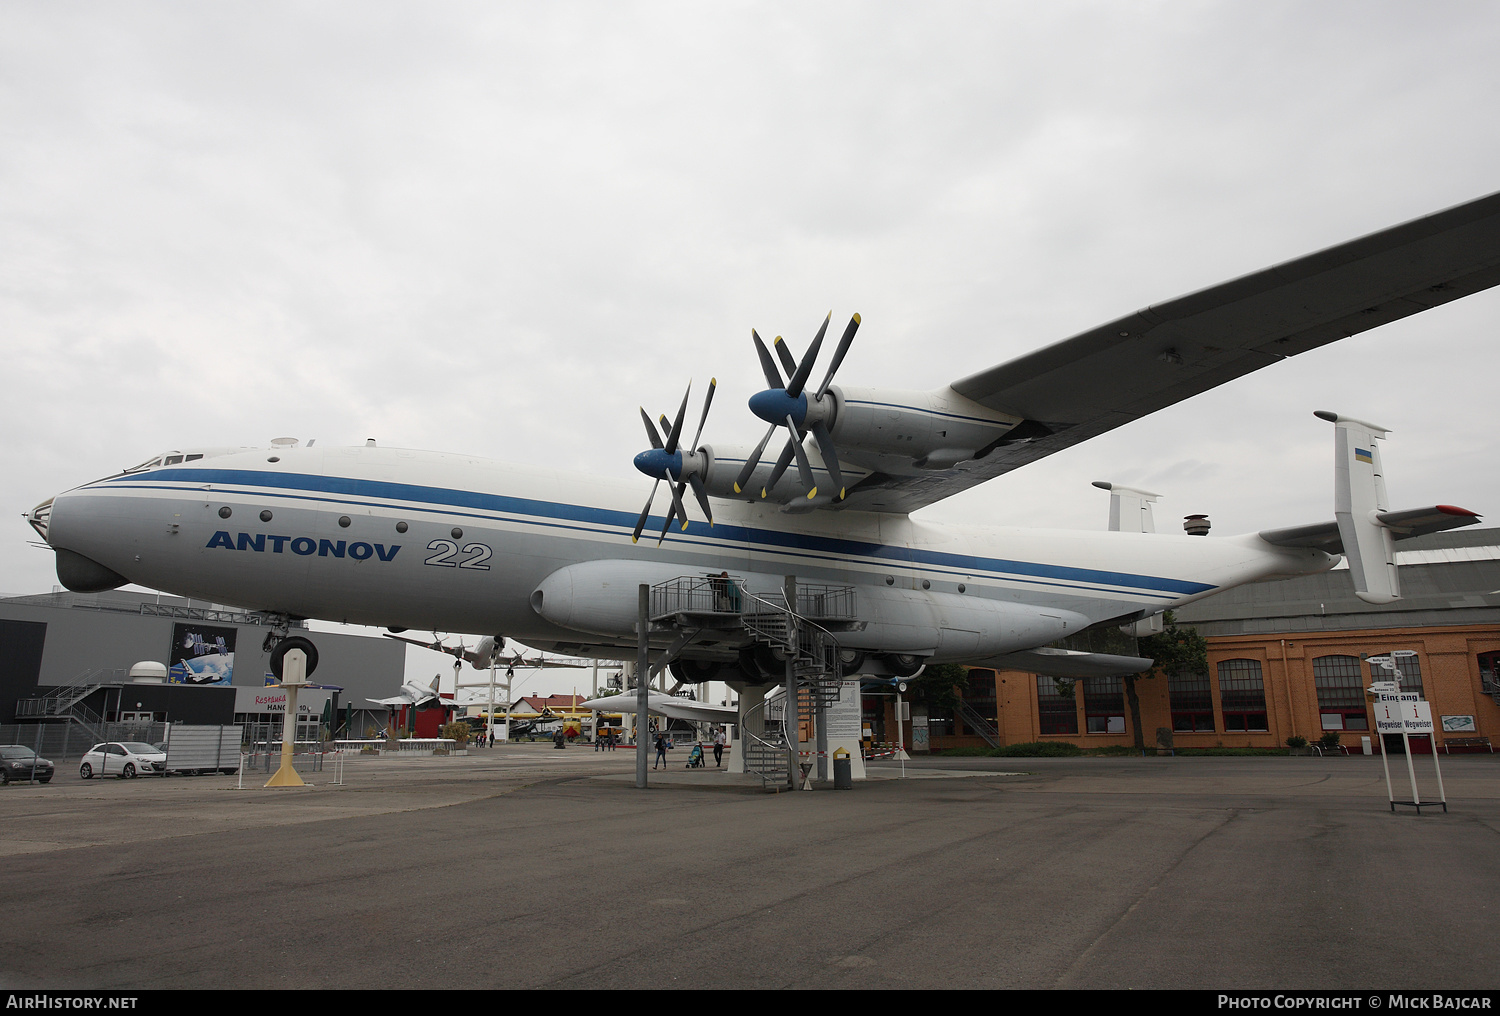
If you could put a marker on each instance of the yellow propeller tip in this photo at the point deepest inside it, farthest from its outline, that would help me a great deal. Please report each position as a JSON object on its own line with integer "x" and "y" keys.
{"x": 684, "y": 527}
{"x": 713, "y": 382}
{"x": 777, "y": 339}
{"x": 762, "y": 492}
{"x": 635, "y": 539}
{"x": 856, "y": 319}
{"x": 842, "y": 493}
{"x": 737, "y": 489}
{"x": 812, "y": 493}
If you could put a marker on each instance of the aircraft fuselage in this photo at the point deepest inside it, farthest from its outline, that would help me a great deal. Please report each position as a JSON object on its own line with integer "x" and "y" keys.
{"x": 436, "y": 541}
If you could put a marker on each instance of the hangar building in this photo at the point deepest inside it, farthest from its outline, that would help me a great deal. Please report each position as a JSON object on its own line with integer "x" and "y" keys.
{"x": 1284, "y": 658}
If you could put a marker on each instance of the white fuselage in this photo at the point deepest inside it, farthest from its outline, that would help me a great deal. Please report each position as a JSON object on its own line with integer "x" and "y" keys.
{"x": 435, "y": 541}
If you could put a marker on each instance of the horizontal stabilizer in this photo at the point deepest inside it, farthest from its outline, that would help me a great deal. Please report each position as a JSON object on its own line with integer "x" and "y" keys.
{"x": 1068, "y": 663}
{"x": 1403, "y": 525}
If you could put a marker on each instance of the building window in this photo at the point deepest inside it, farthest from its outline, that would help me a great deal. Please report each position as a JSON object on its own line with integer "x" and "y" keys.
{"x": 1057, "y": 705}
{"x": 1340, "y": 684}
{"x": 1104, "y": 704}
{"x": 1192, "y": 703}
{"x": 1488, "y": 665}
{"x": 1242, "y": 695}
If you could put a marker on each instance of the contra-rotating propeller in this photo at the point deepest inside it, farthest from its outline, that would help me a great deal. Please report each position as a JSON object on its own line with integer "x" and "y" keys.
{"x": 786, "y": 404}
{"x": 667, "y": 461}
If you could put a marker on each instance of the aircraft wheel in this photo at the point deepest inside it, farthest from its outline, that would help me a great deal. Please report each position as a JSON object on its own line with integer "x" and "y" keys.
{"x": 86, "y": 771}
{"x": 903, "y": 664}
{"x": 850, "y": 660}
{"x": 286, "y": 645}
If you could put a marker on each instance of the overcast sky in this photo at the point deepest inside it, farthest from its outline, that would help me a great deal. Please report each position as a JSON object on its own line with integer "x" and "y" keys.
{"x": 499, "y": 228}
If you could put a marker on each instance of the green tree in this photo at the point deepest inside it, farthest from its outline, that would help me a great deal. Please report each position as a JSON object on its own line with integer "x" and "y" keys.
{"x": 1176, "y": 651}
{"x": 938, "y": 686}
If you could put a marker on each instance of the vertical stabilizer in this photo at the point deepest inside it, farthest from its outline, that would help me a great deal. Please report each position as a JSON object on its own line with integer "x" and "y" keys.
{"x": 1129, "y": 508}
{"x": 1358, "y": 495}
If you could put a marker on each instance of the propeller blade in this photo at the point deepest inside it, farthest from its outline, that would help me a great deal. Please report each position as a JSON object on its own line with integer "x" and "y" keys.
{"x": 803, "y": 467}
{"x": 830, "y": 456}
{"x": 781, "y": 464}
{"x": 767, "y": 365}
{"x": 788, "y": 361}
{"x": 677, "y": 424}
{"x": 702, "y": 496}
{"x": 641, "y": 522}
{"x": 794, "y": 386}
{"x": 838, "y": 358}
{"x": 752, "y": 462}
{"x": 677, "y": 509}
{"x": 651, "y": 429}
{"x": 708, "y": 400}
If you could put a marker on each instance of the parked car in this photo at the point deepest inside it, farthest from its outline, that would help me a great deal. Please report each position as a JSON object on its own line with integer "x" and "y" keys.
{"x": 18, "y": 762}
{"x": 125, "y": 759}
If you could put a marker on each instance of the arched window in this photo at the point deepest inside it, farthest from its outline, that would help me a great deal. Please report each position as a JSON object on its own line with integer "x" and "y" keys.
{"x": 1057, "y": 705}
{"x": 1340, "y": 683}
{"x": 1192, "y": 703}
{"x": 1242, "y": 695}
{"x": 1104, "y": 704}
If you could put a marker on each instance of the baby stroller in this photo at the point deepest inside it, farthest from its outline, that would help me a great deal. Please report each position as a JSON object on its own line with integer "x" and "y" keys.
{"x": 695, "y": 757}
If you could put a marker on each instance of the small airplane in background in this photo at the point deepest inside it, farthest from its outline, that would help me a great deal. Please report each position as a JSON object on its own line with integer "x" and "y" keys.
{"x": 412, "y": 539}
{"x": 659, "y": 703}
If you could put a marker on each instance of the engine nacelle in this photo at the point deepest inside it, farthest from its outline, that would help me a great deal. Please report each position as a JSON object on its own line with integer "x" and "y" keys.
{"x": 896, "y": 431}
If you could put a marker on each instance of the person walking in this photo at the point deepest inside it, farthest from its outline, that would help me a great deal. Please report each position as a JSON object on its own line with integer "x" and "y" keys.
{"x": 719, "y": 748}
{"x": 661, "y": 749}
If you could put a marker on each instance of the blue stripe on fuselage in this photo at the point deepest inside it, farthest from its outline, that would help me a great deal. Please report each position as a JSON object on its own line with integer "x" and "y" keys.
{"x": 443, "y": 497}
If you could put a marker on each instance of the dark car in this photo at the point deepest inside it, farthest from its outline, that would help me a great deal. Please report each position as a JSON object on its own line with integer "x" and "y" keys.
{"x": 20, "y": 763}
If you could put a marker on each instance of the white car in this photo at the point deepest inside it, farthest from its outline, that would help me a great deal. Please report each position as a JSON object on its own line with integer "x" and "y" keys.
{"x": 125, "y": 759}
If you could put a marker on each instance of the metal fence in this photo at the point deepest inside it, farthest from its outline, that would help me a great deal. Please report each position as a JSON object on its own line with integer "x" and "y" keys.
{"x": 62, "y": 742}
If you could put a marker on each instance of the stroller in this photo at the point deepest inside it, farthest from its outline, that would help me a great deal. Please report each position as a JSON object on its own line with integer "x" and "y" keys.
{"x": 695, "y": 757}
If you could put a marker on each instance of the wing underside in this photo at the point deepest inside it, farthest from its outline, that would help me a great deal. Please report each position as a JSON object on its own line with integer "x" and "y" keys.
{"x": 1120, "y": 371}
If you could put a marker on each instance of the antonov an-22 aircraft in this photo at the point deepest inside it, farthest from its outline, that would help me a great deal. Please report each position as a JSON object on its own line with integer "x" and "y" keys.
{"x": 431, "y": 541}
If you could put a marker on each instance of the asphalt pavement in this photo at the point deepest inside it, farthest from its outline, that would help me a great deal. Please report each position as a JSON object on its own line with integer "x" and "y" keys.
{"x": 525, "y": 867}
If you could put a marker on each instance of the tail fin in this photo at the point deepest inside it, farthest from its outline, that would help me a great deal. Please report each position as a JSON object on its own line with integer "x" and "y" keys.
{"x": 1129, "y": 508}
{"x": 1358, "y": 497}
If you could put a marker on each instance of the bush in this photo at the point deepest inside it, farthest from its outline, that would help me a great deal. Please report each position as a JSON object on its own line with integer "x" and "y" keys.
{"x": 1330, "y": 741}
{"x": 1038, "y": 749}
{"x": 1296, "y": 741}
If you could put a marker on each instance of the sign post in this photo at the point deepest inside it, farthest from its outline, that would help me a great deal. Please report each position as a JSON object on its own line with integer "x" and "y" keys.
{"x": 293, "y": 677}
{"x": 1402, "y": 712}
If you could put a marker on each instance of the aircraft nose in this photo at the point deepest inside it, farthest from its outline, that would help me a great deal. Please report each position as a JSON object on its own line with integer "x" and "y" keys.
{"x": 40, "y": 517}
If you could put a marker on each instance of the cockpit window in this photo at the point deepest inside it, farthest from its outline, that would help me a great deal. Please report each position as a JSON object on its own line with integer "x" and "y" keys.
{"x": 172, "y": 460}
{"x": 190, "y": 458}
{"x": 149, "y": 463}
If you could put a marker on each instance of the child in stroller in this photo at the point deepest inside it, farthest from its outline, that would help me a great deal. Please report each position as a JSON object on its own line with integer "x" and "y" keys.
{"x": 695, "y": 757}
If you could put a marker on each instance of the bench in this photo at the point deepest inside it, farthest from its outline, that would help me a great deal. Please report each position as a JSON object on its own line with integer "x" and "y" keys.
{"x": 1475, "y": 743}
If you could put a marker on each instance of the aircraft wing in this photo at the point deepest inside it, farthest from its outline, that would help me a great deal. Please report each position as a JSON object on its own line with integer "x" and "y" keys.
{"x": 1092, "y": 383}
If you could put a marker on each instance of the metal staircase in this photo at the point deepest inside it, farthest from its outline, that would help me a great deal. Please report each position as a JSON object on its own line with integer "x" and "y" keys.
{"x": 977, "y": 723}
{"x": 777, "y": 630}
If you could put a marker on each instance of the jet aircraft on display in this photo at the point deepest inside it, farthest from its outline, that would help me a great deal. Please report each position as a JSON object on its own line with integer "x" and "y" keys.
{"x": 431, "y": 541}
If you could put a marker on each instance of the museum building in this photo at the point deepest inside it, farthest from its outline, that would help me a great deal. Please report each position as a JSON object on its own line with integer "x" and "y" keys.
{"x": 1284, "y": 658}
